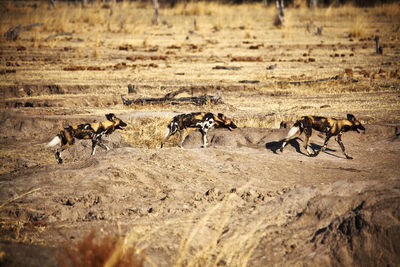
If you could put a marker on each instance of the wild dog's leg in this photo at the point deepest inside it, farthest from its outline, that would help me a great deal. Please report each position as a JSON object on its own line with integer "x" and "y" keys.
{"x": 58, "y": 157}
{"x": 94, "y": 143}
{"x": 308, "y": 132}
{"x": 97, "y": 141}
{"x": 204, "y": 135}
{"x": 339, "y": 140}
{"x": 328, "y": 136}
{"x": 102, "y": 145}
{"x": 171, "y": 130}
{"x": 67, "y": 140}
{"x": 294, "y": 132}
{"x": 167, "y": 135}
{"x": 61, "y": 149}
{"x": 182, "y": 137}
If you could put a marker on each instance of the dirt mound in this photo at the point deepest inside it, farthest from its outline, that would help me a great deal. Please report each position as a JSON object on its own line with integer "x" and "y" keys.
{"x": 80, "y": 152}
{"x": 40, "y": 89}
{"x": 240, "y": 137}
{"x": 261, "y": 138}
{"x": 367, "y": 234}
{"x": 38, "y": 128}
{"x": 340, "y": 224}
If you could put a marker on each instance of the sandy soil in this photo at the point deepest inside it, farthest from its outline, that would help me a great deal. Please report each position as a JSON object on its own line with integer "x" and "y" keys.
{"x": 238, "y": 202}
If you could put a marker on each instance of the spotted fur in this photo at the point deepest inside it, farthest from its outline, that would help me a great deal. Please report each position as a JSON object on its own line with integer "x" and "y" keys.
{"x": 200, "y": 120}
{"x": 93, "y": 131}
{"x": 329, "y": 126}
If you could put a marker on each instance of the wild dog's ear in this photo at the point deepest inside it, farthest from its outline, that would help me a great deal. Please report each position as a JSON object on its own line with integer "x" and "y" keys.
{"x": 221, "y": 116}
{"x": 350, "y": 117}
{"x": 110, "y": 116}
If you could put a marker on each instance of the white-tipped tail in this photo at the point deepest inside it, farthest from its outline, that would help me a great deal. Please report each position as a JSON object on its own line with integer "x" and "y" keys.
{"x": 56, "y": 140}
{"x": 293, "y": 132}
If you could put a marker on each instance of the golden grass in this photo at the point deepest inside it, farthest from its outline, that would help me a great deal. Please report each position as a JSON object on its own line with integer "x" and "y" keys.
{"x": 358, "y": 27}
{"x": 391, "y": 10}
{"x": 252, "y": 121}
{"x": 200, "y": 8}
{"x": 111, "y": 250}
{"x": 12, "y": 159}
{"x": 146, "y": 132}
{"x": 212, "y": 240}
{"x": 94, "y": 18}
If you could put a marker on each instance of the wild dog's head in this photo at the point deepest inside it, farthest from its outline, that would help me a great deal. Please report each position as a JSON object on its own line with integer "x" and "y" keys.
{"x": 118, "y": 123}
{"x": 356, "y": 125}
{"x": 225, "y": 122}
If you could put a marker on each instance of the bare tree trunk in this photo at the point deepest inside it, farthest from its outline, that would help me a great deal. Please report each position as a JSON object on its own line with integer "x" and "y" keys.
{"x": 379, "y": 48}
{"x": 155, "y": 17}
{"x": 312, "y": 3}
{"x": 53, "y": 3}
{"x": 279, "y": 20}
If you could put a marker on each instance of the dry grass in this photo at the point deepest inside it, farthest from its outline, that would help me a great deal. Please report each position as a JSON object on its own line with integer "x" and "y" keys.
{"x": 21, "y": 230}
{"x": 391, "y": 10}
{"x": 213, "y": 240}
{"x": 358, "y": 28}
{"x": 146, "y": 132}
{"x": 223, "y": 32}
{"x": 260, "y": 121}
{"x": 12, "y": 159}
{"x": 108, "y": 251}
{"x": 200, "y": 8}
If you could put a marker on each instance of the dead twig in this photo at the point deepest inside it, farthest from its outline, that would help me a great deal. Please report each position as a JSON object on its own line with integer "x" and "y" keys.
{"x": 12, "y": 33}
{"x": 337, "y": 77}
{"x": 19, "y": 196}
{"x": 226, "y": 68}
{"x": 58, "y": 34}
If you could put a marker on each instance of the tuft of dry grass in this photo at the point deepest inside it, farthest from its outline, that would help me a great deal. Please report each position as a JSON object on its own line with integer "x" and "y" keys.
{"x": 252, "y": 121}
{"x": 110, "y": 251}
{"x": 200, "y": 8}
{"x": 212, "y": 240}
{"x": 358, "y": 27}
{"x": 391, "y": 10}
{"x": 146, "y": 132}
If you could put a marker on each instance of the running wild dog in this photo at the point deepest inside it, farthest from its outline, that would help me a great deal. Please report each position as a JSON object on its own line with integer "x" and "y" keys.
{"x": 201, "y": 120}
{"x": 329, "y": 126}
{"x": 94, "y": 131}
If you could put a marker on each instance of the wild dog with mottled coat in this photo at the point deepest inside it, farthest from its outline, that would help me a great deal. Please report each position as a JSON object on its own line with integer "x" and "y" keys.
{"x": 201, "y": 120}
{"x": 94, "y": 131}
{"x": 329, "y": 126}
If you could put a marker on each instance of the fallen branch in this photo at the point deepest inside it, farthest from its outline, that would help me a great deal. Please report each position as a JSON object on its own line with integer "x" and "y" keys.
{"x": 12, "y": 33}
{"x": 249, "y": 81}
{"x": 226, "y": 68}
{"x": 337, "y": 77}
{"x": 19, "y": 196}
{"x": 58, "y": 34}
{"x": 170, "y": 99}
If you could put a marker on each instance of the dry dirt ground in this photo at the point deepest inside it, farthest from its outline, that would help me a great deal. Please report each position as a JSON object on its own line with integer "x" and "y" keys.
{"x": 238, "y": 202}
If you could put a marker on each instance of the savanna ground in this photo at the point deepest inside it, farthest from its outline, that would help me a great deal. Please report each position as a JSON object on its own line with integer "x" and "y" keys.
{"x": 237, "y": 202}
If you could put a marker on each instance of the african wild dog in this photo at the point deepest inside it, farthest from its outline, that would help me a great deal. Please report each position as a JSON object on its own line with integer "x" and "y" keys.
{"x": 93, "y": 131}
{"x": 329, "y": 126}
{"x": 201, "y": 120}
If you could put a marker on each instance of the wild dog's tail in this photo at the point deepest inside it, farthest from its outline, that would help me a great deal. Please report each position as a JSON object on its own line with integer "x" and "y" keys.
{"x": 294, "y": 132}
{"x": 56, "y": 140}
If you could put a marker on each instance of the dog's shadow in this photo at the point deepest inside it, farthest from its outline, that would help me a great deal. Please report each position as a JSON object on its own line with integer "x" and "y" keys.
{"x": 274, "y": 146}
